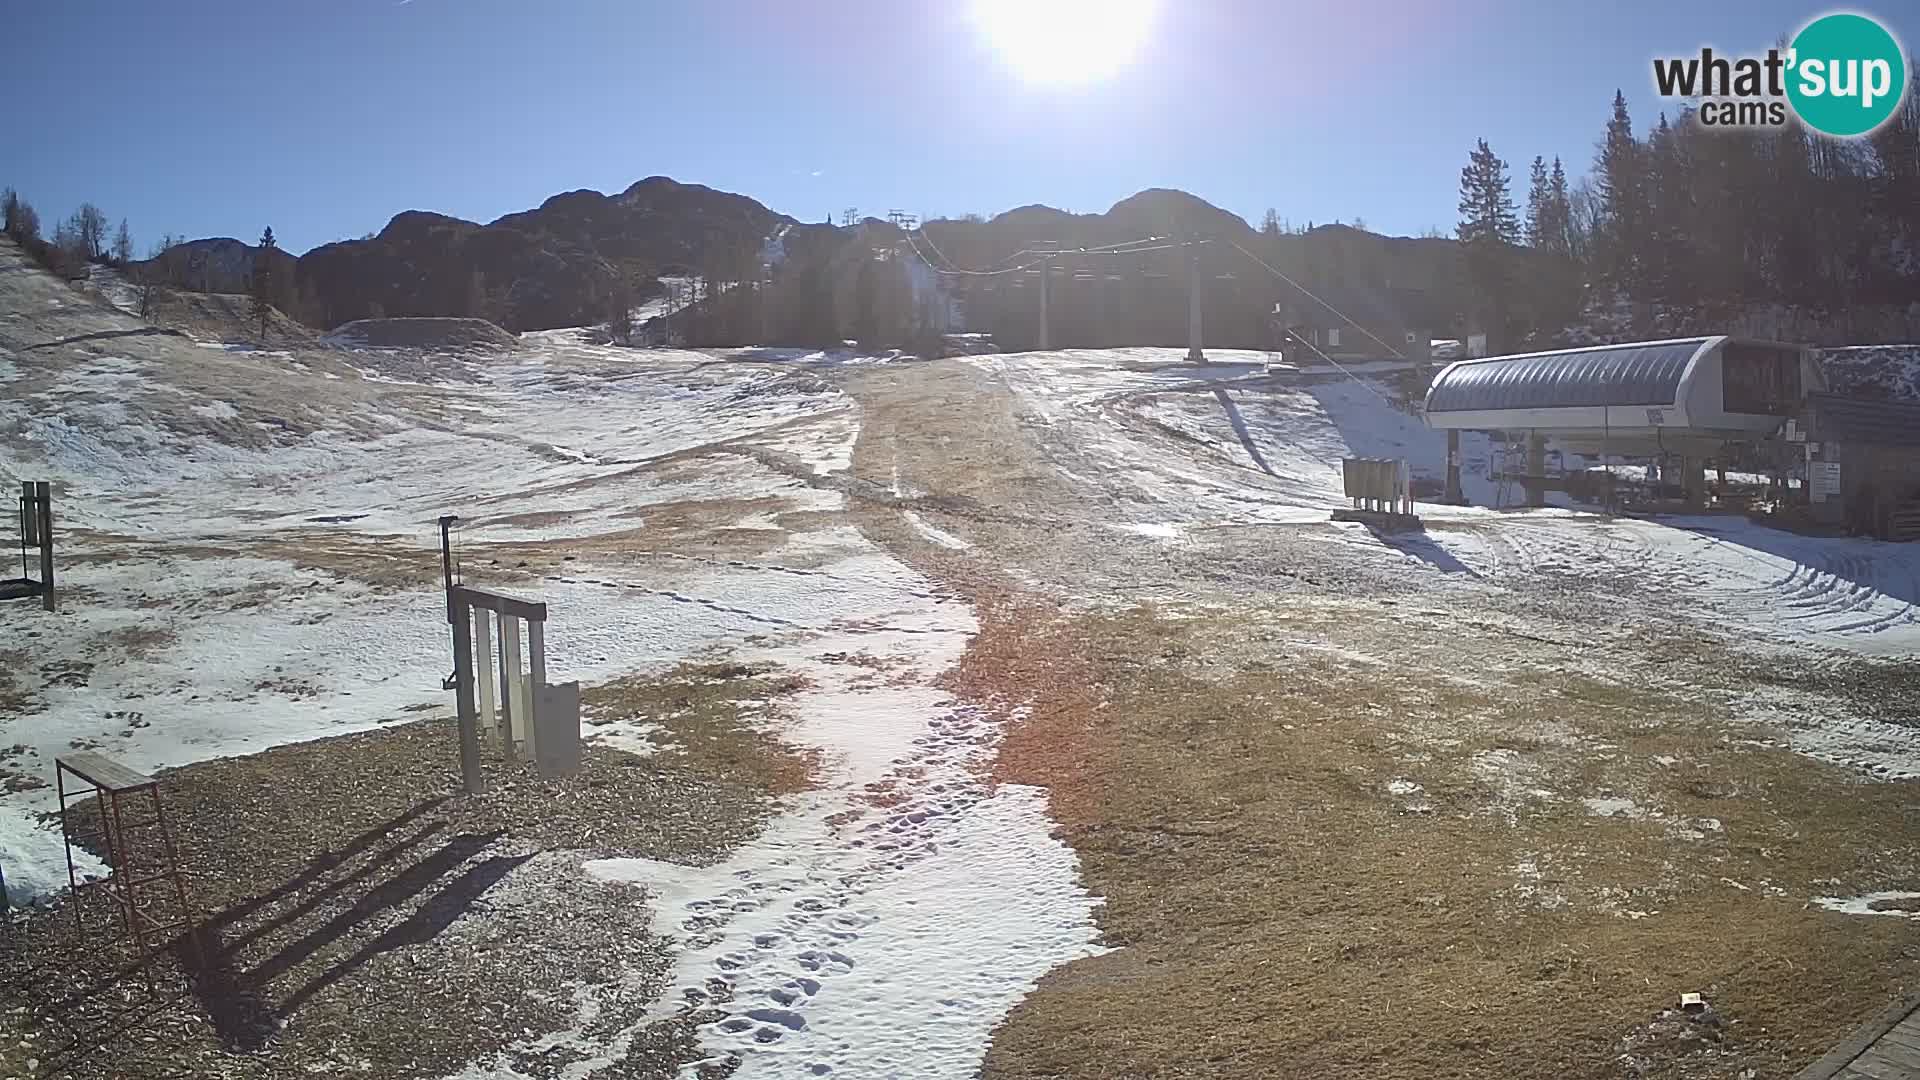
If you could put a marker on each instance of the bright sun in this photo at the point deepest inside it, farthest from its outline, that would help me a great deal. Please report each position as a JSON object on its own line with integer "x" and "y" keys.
{"x": 1065, "y": 41}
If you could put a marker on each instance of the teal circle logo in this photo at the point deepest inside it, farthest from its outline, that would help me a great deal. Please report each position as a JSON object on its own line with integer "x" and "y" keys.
{"x": 1846, "y": 75}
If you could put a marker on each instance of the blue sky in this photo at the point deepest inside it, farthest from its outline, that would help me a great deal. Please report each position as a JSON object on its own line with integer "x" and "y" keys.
{"x": 323, "y": 119}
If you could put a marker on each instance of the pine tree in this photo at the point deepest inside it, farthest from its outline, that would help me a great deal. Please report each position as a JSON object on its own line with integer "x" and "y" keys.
{"x": 1664, "y": 259}
{"x": 1488, "y": 230}
{"x": 1558, "y": 224}
{"x": 123, "y": 244}
{"x": 1538, "y": 199}
{"x": 1622, "y": 214}
{"x": 1486, "y": 205}
{"x": 262, "y": 290}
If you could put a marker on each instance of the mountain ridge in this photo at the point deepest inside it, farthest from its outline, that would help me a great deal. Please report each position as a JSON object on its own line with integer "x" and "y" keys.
{"x": 558, "y": 264}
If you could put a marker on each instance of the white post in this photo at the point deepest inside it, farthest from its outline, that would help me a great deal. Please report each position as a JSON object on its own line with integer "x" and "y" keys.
{"x": 483, "y": 676}
{"x": 537, "y": 661}
{"x": 510, "y": 678}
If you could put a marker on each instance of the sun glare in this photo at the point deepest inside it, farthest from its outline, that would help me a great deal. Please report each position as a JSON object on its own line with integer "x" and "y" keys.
{"x": 1065, "y": 41}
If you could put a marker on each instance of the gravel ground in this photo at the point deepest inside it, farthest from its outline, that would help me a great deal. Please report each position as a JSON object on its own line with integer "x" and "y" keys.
{"x": 361, "y": 915}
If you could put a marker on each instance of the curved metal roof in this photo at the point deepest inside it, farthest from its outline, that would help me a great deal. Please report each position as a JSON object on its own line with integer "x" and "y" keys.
{"x": 1643, "y": 373}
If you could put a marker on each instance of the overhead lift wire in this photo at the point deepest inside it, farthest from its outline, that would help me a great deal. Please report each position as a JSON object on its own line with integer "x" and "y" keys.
{"x": 1316, "y": 299}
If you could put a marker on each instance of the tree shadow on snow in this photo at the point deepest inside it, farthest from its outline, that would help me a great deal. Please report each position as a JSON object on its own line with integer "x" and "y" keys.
{"x": 1240, "y": 428}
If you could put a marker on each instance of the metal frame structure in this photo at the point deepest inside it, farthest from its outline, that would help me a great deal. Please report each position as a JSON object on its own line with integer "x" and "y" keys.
{"x": 108, "y": 782}
{"x": 36, "y": 530}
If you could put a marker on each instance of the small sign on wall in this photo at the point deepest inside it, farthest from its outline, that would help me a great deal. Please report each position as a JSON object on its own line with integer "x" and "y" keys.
{"x": 1823, "y": 480}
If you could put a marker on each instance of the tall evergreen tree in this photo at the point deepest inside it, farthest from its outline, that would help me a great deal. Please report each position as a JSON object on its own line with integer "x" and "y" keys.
{"x": 1489, "y": 229}
{"x": 263, "y": 284}
{"x": 1620, "y": 186}
{"x": 1538, "y": 198}
{"x": 1557, "y": 223}
{"x": 1664, "y": 258}
{"x": 1486, "y": 204}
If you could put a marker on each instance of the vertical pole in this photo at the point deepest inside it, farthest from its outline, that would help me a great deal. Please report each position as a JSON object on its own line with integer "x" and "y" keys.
{"x": 121, "y": 860}
{"x": 446, "y": 575}
{"x": 1454, "y": 494}
{"x": 1194, "y": 355}
{"x": 483, "y": 677}
{"x": 536, "y": 679}
{"x": 1046, "y": 271}
{"x": 510, "y": 699}
{"x": 522, "y": 694}
{"x": 179, "y": 883}
{"x": 446, "y": 559}
{"x": 43, "y": 499}
{"x": 66, "y": 836}
{"x": 1536, "y": 468}
{"x": 470, "y": 776}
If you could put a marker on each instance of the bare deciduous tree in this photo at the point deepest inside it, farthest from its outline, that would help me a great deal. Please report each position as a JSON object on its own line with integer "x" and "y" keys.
{"x": 68, "y": 254}
{"x": 620, "y": 312}
{"x": 158, "y": 270}
{"x": 89, "y": 226}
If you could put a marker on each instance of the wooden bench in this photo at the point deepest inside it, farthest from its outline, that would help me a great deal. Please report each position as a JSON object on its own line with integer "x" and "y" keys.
{"x": 102, "y": 772}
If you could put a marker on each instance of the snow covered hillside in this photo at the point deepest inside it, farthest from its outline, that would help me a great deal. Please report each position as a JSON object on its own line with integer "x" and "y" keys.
{"x": 248, "y": 558}
{"x": 1175, "y": 449}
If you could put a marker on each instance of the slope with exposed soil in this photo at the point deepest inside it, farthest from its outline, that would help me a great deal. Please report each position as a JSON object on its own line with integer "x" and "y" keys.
{"x": 1478, "y": 802}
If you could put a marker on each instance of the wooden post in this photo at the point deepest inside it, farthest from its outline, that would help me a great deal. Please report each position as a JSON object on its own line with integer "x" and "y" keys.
{"x": 43, "y": 498}
{"x": 516, "y": 719}
{"x": 474, "y": 783}
{"x": 537, "y": 678}
{"x": 483, "y": 677}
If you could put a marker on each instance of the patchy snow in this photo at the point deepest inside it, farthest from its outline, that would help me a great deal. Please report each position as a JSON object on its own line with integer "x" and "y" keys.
{"x": 230, "y": 592}
{"x": 115, "y": 287}
{"x": 1900, "y": 905}
{"x": 863, "y": 934}
{"x": 1883, "y": 371}
{"x": 1612, "y": 806}
{"x": 934, "y": 534}
{"x": 1222, "y": 443}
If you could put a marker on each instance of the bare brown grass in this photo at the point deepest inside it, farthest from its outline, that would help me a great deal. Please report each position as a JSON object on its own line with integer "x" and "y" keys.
{"x": 1282, "y": 914}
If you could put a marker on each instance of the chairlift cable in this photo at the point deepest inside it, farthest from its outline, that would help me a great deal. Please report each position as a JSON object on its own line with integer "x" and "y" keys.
{"x": 1316, "y": 298}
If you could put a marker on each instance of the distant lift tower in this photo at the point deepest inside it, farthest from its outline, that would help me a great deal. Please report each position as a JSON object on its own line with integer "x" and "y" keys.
{"x": 1194, "y": 354}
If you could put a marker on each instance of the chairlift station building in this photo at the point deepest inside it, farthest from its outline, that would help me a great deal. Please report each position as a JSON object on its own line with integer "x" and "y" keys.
{"x": 1695, "y": 400}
